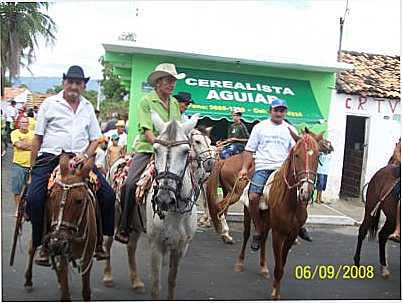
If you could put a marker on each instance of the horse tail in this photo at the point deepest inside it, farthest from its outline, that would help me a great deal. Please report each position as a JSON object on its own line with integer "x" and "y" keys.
{"x": 211, "y": 194}
{"x": 374, "y": 220}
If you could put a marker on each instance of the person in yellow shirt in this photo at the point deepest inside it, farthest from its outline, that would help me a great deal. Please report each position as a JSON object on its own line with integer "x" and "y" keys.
{"x": 22, "y": 142}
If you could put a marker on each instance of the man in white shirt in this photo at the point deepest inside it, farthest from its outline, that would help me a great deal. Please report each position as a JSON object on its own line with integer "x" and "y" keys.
{"x": 65, "y": 122}
{"x": 11, "y": 116}
{"x": 271, "y": 142}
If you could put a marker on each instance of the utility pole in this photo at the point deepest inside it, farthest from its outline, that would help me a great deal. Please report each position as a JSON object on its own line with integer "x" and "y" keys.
{"x": 341, "y": 22}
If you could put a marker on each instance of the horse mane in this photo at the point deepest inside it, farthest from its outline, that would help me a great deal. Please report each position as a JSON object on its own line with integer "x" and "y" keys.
{"x": 202, "y": 129}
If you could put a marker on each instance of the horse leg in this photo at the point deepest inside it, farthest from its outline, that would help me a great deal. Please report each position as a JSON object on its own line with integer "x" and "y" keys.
{"x": 175, "y": 257}
{"x": 107, "y": 272}
{"x": 28, "y": 268}
{"x": 225, "y": 230}
{"x": 62, "y": 276}
{"x": 156, "y": 259}
{"x": 86, "y": 285}
{"x": 278, "y": 242}
{"x": 385, "y": 231}
{"x": 135, "y": 279}
{"x": 239, "y": 267}
{"x": 263, "y": 256}
{"x": 362, "y": 234}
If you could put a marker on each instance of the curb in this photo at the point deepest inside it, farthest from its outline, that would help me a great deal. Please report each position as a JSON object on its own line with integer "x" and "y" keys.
{"x": 311, "y": 220}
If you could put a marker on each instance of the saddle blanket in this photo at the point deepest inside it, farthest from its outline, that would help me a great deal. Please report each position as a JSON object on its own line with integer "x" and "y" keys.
{"x": 265, "y": 195}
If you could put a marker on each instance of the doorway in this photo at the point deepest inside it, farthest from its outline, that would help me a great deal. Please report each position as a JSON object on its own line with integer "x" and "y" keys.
{"x": 354, "y": 157}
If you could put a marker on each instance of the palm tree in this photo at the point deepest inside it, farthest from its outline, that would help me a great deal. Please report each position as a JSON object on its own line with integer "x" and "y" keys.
{"x": 21, "y": 26}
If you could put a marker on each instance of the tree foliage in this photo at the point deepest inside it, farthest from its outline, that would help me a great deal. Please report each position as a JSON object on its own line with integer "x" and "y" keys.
{"x": 112, "y": 88}
{"x": 22, "y": 24}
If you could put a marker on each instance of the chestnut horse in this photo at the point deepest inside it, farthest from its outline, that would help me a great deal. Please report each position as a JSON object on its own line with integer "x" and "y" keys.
{"x": 71, "y": 209}
{"x": 379, "y": 197}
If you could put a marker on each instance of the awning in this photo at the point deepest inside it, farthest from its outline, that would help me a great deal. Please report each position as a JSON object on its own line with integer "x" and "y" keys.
{"x": 217, "y": 94}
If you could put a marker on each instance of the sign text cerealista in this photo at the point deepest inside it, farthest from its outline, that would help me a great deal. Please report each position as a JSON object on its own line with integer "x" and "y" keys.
{"x": 216, "y": 94}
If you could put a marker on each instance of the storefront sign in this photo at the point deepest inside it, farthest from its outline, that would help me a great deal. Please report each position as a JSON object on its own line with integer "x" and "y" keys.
{"x": 216, "y": 94}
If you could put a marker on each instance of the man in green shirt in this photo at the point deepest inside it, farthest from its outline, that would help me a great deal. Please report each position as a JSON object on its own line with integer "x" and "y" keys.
{"x": 238, "y": 134}
{"x": 163, "y": 79}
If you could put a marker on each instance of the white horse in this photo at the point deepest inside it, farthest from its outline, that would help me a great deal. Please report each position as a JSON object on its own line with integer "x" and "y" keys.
{"x": 201, "y": 158}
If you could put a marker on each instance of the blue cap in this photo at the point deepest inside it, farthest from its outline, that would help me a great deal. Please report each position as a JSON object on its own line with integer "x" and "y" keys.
{"x": 115, "y": 137}
{"x": 279, "y": 103}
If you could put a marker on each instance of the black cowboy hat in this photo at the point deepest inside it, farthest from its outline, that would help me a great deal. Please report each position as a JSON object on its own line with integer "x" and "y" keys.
{"x": 184, "y": 97}
{"x": 75, "y": 72}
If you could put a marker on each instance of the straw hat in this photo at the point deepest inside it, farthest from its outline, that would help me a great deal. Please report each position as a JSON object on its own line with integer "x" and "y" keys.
{"x": 120, "y": 123}
{"x": 163, "y": 70}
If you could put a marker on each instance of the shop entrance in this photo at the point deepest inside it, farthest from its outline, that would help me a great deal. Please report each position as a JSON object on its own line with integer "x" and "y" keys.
{"x": 355, "y": 156}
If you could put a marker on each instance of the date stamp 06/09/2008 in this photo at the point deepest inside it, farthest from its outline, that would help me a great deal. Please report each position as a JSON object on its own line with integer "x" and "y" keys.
{"x": 333, "y": 272}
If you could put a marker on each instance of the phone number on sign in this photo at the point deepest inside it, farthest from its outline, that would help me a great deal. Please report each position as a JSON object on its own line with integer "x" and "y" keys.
{"x": 333, "y": 272}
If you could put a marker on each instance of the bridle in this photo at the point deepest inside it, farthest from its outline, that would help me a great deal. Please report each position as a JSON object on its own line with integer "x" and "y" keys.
{"x": 306, "y": 175}
{"x": 167, "y": 175}
{"x": 58, "y": 225}
{"x": 205, "y": 155}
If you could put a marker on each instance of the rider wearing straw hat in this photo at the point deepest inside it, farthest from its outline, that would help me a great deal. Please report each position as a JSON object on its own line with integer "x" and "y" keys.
{"x": 161, "y": 101}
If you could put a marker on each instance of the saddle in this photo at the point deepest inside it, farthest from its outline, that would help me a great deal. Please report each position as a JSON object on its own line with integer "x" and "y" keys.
{"x": 265, "y": 195}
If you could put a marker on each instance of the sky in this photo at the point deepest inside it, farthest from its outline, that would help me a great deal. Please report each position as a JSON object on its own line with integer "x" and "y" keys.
{"x": 298, "y": 29}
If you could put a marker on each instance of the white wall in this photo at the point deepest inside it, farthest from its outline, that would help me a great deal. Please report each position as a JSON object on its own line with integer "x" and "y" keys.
{"x": 383, "y": 134}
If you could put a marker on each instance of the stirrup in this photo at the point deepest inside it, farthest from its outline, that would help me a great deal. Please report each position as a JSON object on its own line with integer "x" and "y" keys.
{"x": 42, "y": 259}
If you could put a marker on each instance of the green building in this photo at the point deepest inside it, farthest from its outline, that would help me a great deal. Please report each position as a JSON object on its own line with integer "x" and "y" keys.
{"x": 219, "y": 84}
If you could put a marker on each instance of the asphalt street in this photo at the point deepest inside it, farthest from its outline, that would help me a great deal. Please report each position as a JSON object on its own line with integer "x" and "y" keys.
{"x": 206, "y": 272}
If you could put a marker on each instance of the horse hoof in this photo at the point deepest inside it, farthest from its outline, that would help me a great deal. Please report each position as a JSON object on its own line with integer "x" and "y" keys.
{"x": 275, "y": 295}
{"x": 28, "y": 288}
{"x": 239, "y": 267}
{"x": 265, "y": 274}
{"x": 356, "y": 261}
{"x": 385, "y": 273}
{"x": 139, "y": 287}
{"x": 228, "y": 240}
{"x": 108, "y": 283}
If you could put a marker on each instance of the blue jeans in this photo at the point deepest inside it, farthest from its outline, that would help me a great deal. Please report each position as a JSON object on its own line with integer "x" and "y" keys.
{"x": 19, "y": 176}
{"x": 37, "y": 194}
{"x": 231, "y": 150}
{"x": 321, "y": 183}
{"x": 259, "y": 180}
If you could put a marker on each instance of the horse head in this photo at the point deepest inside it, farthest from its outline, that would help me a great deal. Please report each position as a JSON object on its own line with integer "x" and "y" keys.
{"x": 172, "y": 157}
{"x": 68, "y": 202}
{"x": 202, "y": 149}
{"x": 303, "y": 163}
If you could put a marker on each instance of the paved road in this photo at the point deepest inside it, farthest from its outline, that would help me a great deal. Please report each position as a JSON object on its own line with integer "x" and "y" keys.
{"x": 206, "y": 272}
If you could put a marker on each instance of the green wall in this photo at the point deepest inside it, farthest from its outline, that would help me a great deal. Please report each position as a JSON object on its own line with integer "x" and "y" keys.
{"x": 322, "y": 83}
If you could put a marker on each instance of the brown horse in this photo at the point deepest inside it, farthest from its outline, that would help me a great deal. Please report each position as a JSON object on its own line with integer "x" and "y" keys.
{"x": 71, "y": 209}
{"x": 290, "y": 191}
{"x": 225, "y": 174}
{"x": 380, "y": 198}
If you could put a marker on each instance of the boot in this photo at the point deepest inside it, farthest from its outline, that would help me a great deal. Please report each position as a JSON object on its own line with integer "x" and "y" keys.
{"x": 303, "y": 233}
{"x": 100, "y": 253}
{"x": 396, "y": 235}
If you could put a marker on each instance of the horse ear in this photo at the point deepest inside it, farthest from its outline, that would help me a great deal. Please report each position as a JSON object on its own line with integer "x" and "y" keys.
{"x": 306, "y": 130}
{"x": 87, "y": 167}
{"x": 64, "y": 164}
{"x": 158, "y": 122}
{"x": 208, "y": 131}
{"x": 191, "y": 123}
{"x": 294, "y": 135}
{"x": 319, "y": 137}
